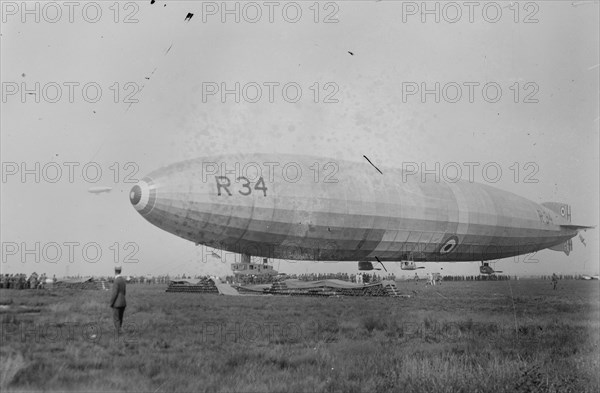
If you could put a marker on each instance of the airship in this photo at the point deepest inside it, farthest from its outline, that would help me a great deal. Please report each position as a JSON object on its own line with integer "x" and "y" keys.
{"x": 299, "y": 207}
{"x": 99, "y": 190}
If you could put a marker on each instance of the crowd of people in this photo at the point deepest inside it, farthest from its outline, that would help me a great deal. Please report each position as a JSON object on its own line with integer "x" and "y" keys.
{"x": 563, "y": 277}
{"x": 22, "y": 281}
{"x": 163, "y": 279}
{"x": 41, "y": 281}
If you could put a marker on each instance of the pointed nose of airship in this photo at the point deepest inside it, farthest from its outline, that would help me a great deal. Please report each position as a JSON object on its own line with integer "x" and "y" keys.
{"x": 143, "y": 196}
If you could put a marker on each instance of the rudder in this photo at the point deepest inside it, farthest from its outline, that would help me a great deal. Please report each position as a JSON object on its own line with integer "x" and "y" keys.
{"x": 562, "y": 209}
{"x": 565, "y": 247}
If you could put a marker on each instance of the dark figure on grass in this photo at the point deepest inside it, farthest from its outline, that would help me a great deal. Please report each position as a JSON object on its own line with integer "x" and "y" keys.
{"x": 117, "y": 300}
{"x": 554, "y": 281}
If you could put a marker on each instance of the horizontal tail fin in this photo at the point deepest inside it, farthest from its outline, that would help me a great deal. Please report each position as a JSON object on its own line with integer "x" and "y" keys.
{"x": 564, "y": 211}
{"x": 576, "y": 227}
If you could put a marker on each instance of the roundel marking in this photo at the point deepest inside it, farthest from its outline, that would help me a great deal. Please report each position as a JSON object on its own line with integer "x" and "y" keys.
{"x": 449, "y": 245}
{"x": 562, "y": 211}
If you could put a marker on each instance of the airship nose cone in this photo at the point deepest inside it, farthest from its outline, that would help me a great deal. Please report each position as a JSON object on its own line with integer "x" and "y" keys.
{"x": 143, "y": 196}
{"x": 135, "y": 195}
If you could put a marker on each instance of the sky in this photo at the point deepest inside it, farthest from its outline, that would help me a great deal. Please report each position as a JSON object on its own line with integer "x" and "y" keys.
{"x": 125, "y": 88}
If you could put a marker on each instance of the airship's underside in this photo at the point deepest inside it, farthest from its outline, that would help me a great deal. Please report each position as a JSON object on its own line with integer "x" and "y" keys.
{"x": 311, "y": 208}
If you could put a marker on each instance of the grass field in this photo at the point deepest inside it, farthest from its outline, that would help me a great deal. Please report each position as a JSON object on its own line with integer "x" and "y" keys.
{"x": 503, "y": 336}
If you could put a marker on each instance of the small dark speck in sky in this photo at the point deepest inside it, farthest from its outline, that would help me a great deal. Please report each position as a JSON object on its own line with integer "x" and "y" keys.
{"x": 23, "y": 75}
{"x": 152, "y": 1}
{"x": 188, "y": 17}
{"x": 351, "y": 54}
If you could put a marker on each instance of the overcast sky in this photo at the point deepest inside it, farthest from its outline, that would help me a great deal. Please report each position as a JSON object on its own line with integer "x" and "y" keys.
{"x": 366, "y": 62}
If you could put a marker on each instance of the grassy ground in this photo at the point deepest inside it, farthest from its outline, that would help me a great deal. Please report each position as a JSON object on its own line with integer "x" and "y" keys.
{"x": 517, "y": 336}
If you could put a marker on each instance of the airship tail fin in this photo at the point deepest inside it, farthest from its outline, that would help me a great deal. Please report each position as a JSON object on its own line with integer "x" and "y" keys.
{"x": 562, "y": 209}
{"x": 565, "y": 247}
{"x": 577, "y": 227}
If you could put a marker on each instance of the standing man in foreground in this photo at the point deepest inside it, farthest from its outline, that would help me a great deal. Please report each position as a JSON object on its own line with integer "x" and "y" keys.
{"x": 117, "y": 300}
{"x": 554, "y": 280}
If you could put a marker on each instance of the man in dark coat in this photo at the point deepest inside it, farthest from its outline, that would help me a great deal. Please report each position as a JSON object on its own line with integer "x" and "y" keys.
{"x": 117, "y": 300}
{"x": 554, "y": 280}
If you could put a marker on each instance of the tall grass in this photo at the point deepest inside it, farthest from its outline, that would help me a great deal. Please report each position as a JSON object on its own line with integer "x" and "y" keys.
{"x": 470, "y": 340}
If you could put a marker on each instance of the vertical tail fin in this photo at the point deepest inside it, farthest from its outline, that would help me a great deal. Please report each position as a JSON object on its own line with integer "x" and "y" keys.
{"x": 562, "y": 209}
{"x": 565, "y": 247}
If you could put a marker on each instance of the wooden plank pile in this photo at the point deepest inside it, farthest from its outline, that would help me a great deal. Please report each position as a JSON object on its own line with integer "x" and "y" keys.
{"x": 203, "y": 286}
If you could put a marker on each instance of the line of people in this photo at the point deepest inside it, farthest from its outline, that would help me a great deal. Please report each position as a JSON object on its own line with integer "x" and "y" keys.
{"x": 21, "y": 281}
